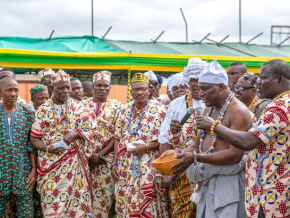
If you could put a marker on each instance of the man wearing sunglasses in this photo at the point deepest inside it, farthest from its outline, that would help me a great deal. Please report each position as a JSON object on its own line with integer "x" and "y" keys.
{"x": 246, "y": 91}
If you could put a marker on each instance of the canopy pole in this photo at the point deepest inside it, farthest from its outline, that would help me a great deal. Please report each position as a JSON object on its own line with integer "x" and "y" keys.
{"x": 204, "y": 38}
{"x": 107, "y": 32}
{"x": 254, "y": 38}
{"x": 51, "y": 34}
{"x": 283, "y": 41}
{"x": 157, "y": 37}
{"x": 230, "y": 47}
{"x": 224, "y": 38}
{"x": 129, "y": 82}
{"x": 128, "y": 86}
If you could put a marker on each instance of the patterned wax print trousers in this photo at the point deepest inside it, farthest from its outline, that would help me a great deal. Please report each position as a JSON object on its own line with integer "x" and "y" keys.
{"x": 24, "y": 204}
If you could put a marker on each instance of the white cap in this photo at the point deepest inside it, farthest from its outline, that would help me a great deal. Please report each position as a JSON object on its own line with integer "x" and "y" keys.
{"x": 214, "y": 73}
{"x": 176, "y": 80}
{"x": 151, "y": 75}
{"x": 193, "y": 69}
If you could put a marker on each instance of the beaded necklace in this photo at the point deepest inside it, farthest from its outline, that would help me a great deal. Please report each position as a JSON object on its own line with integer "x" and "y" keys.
{"x": 130, "y": 117}
{"x": 214, "y": 138}
{"x": 275, "y": 99}
{"x": 253, "y": 102}
{"x": 188, "y": 100}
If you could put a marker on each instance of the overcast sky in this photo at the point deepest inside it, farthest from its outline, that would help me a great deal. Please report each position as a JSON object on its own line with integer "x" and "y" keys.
{"x": 142, "y": 20}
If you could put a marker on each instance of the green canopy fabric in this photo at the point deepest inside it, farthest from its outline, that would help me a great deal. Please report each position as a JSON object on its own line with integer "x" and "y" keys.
{"x": 61, "y": 44}
{"x": 89, "y": 53}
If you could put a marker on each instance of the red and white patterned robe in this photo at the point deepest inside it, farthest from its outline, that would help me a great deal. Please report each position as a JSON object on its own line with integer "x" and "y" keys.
{"x": 63, "y": 180}
{"x": 136, "y": 197}
{"x": 107, "y": 113}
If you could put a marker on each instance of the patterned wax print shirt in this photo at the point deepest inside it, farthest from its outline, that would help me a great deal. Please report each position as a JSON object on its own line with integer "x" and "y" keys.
{"x": 15, "y": 146}
{"x": 268, "y": 166}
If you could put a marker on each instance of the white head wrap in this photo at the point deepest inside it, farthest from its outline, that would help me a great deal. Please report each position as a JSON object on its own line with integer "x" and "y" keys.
{"x": 214, "y": 73}
{"x": 151, "y": 75}
{"x": 176, "y": 80}
{"x": 193, "y": 69}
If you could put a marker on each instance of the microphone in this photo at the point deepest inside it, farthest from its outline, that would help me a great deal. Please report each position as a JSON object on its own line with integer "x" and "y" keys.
{"x": 199, "y": 110}
{"x": 189, "y": 112}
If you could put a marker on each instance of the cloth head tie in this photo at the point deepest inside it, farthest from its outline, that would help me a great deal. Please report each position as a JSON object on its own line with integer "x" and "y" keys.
{"x": 45, "y": 72}
{"x": 214, "y": 73}
{"x": 38, "y": 88}
{"x": 102, "y": 75}
{"x": 194, "y": 68}
{"x": 60, "y": 76}
{"x": 251, "y": 78}
{"x": 140, "y": 77}
{"x": 151, "y": 76}
{"x": 159, "y": 78}
{"x": 176, "y": 80}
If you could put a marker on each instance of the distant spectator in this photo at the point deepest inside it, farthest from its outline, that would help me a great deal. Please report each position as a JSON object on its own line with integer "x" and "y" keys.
{"x": 44, "y": 77}
{"x": 76, "y": 89}
{"x": 39, "y": 95}
{"x": 7, "y": 72}
{"x": 153, "y": 84}
{"x": 236, "y": 70}
{"x": 88, "y": 90}
{"x": 231, "y": 83}
{"x": 160, "y": 81}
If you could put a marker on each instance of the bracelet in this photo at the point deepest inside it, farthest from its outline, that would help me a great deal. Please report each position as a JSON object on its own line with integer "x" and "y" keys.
{"x": 195, "y": 157}
{"x": 34, "y": 166}
{"x": 47, "y": 150}
{"x": 147, "y": 148}
{"x": 215, "y": 123}
{"x": 179, "y": 150}
{"x": 113, "y": 164}
{"x": 159, "y": 175}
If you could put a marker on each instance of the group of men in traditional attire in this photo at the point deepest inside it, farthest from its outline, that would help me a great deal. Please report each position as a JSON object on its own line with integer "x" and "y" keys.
{"x": 72, "y": 152}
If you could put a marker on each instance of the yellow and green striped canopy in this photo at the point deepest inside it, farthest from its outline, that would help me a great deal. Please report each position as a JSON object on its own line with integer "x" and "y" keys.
{"x": 93, "y": 53}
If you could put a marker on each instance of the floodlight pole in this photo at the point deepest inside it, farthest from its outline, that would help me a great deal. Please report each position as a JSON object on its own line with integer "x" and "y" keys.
{"x": 185, "y": 25}
{"x": 92, "y": 17}
{"x": 240, "y": 20}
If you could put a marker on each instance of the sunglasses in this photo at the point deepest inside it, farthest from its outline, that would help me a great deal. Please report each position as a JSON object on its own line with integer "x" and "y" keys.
{"x": 154, "y": 83}
{"x": 242, "y": 88}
